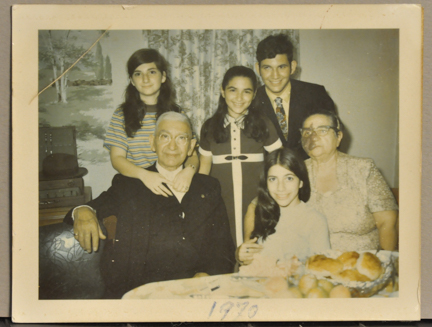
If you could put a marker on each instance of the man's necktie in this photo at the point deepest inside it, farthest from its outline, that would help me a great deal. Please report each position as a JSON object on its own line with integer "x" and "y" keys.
{"x": 281, "y": 116}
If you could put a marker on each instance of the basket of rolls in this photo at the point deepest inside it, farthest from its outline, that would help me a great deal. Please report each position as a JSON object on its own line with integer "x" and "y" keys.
{"x": 332, "y": 274}
{"x": 363, "y": 274}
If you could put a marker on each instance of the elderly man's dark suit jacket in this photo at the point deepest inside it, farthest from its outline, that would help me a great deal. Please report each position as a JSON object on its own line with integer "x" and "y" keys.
{"x": 124, "y": 263}
{"x": 305, "y": 99}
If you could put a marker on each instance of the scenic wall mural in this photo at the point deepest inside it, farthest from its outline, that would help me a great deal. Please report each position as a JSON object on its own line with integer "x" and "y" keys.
{"x": 88, "y": 93}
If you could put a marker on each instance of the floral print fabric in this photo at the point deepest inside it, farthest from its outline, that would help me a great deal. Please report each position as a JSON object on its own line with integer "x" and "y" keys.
{"x": 349, "y": 210}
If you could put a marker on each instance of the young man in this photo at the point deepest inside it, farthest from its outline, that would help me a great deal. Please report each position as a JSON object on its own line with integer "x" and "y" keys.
{"x": 287, "y": 102}
{"x": 159, "y": 238}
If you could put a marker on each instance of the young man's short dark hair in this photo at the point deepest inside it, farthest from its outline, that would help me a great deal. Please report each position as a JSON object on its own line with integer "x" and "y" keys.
{"x": 273, "y": 45}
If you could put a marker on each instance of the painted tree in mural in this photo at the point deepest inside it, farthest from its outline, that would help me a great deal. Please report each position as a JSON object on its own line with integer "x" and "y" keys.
{"x": 108, "y": 68}
{"x": 99, "y": 62}
{"x": 59, "y": 49}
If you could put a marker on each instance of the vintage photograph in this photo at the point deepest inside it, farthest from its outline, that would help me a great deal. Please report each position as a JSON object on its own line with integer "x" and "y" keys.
{"x": 224, "y": 170}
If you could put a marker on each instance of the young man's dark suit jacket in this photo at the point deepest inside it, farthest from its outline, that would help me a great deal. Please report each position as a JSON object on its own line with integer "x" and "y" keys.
{"x": 305, "y": 99}
{"x": 142, "y": 216}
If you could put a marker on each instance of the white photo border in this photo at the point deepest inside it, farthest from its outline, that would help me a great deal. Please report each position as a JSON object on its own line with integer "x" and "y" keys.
{"x": 29, "y": 19}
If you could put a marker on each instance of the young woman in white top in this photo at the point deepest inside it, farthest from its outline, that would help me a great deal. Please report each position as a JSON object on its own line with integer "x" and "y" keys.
{"x": 280, "y": 224}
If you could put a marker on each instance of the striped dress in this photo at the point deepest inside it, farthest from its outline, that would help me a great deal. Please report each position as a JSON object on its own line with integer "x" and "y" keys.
{"x": 138, "y": 147}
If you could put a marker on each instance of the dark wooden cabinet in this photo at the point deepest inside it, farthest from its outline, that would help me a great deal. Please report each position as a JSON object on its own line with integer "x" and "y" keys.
{"x": 61, "y": 193}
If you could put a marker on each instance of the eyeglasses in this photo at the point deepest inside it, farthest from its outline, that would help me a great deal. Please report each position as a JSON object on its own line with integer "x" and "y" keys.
{"x": 179, "y": 139}
{"x": 320, "y": 131}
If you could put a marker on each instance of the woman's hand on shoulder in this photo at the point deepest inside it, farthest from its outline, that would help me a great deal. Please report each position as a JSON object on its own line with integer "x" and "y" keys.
{"x": 182, "y": 181}
{"x": 245, "y": 252}
{"x": 154, "y": 182}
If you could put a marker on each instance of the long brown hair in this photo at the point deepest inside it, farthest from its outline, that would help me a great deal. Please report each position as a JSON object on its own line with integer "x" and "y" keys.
{"x": 255, "y": 127}
{"x": 267, "y": 211}
{"x": 134, "y": 109}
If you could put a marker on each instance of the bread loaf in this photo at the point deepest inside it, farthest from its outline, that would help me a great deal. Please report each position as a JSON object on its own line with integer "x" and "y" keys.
{"x": 349, "y": 259}
{"x": 369, "y": 265}
{"x": 321, "y": 266}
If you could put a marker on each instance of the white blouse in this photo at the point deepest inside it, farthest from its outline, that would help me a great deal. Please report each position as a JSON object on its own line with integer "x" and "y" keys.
{"x": 301, "y": 231}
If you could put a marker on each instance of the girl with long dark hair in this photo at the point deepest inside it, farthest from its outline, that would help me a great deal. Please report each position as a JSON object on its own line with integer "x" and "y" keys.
{"x": 283, "y": 224}
{"x": 148, "y": 95}
{"x": 233, "y": 143}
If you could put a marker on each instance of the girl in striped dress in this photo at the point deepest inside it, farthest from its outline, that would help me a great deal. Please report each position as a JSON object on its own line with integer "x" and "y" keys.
{"x": 148, "y": 95}
{"x": 233, "y": 143}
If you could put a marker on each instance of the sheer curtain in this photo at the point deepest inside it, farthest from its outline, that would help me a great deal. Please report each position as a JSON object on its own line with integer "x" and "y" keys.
{"x": 199, "y": 59}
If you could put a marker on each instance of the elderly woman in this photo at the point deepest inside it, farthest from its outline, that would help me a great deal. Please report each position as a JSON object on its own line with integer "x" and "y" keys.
{"x": 360, "y": 208}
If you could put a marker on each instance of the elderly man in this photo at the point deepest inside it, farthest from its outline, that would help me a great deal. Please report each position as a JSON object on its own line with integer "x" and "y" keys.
{"x": 287, "y": 102}
{"x": 159, "y": 238}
